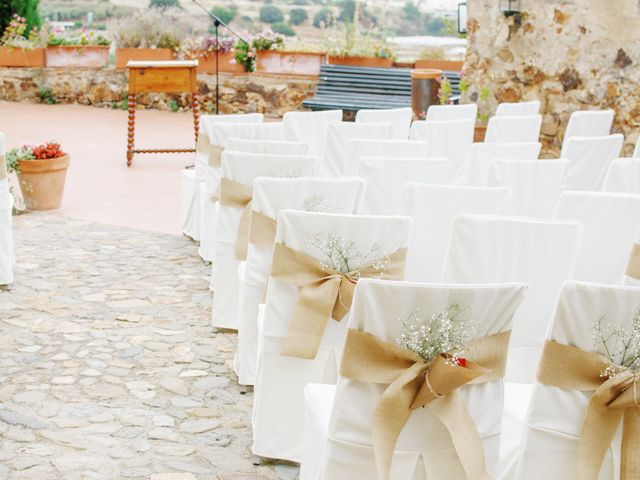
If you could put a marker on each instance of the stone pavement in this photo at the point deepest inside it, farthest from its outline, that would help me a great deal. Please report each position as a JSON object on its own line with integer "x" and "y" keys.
{"x": 108, "y": 365}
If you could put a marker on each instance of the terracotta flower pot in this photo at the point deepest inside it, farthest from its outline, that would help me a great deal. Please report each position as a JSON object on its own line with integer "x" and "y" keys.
{"x": 479, "y": 132}
{"x": 124, "y": 55}
{"x": 207, "y": 62}
{"x": 447, "y": 65}
{"x": 289, "y": 63}
{"x": 94, "y": 56}
{"x": 42, "y": 182}
{"x": 21, "y": 57}
{"x": 361, "y": 61}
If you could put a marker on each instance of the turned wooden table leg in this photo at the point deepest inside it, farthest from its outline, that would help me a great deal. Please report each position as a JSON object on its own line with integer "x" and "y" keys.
{"x": 131, "y": 129}
{"x": 195, "y": 104}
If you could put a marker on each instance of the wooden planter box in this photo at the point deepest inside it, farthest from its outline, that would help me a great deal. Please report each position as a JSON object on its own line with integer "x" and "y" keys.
{"x": 289, "y": 63}
{"x": 207, "y": 62}
{"x": 447, "y": 65}
{"x": 361, "y": 61}
{"x": 124, "y": 55}
{"x": 21, "y": 57}
{"x": 94, "y": 56}
{"x": 479, "y": 132}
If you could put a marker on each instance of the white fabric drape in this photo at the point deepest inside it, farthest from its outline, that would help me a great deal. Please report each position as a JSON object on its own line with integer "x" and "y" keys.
{"x": 587, "y": 123}
{"x": 311, "y": 128}
{"x": 357, "y": 148}
{"x": 447, "y": 138}
{"x": 433, "y": 209}
{"x": 243, "y": 168}
{"x": 610, "y": 222}
{"x": 536, "y": 184}
{"x": 440, "y": 113}
{"x": 518, "y": 109}
{"x": 278, "y": 402}
{"x": 514, "y": 129}
{"x": 623, "y": 176}
{"x": 267, "y": 146}
{"x": 483, "y": 153}
{"x": 342, "y": 445}
{"x": 399, "y": 118}
{"x": 589, "y": 159}
{"x": 270, "y": 195}
{"x": 539, "y": 253}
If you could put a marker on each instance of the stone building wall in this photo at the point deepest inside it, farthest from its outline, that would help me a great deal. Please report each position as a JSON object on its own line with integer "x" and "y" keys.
{"x": 107, "y": 87}
{"x": 569, "y": 54}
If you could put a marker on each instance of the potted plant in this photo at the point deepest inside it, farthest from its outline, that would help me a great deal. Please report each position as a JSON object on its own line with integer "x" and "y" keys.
{"x": 204, "y": 49}
{"x": 276, "y": 58}
{"x": 41, "y": 170}
{"x": 19, "y": 49}
{"x": 86, "y": 50}
{"x": 434, "y": 57}
{"x": 481, "y": 95}
{"x": 149, "y": 35}
{"x": 359, "y": 50}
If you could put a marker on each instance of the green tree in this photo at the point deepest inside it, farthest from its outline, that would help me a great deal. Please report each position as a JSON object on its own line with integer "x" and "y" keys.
{"x": 271, "y": 14}
{"x": 226, "y": 14}
{"x": 323, "y": 18}
{"x": 298, "y": 16}
{"x": 301, "y": 2}
{"x": 164, "y": 3}
{"x": 283, "y": 29}
{"x": 25, "y": 8}
{"x": 347, "y": 11}
{"x": 411, "y": 11}
{"x": 434, "y": 26}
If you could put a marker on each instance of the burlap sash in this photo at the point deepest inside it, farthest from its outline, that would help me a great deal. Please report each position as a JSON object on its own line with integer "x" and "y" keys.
{"x": 3, "y": 168}
{"x": 414, "y": 383}
{"x": 613, "y": 399}
{"x": 215, "y": 155}
{"x": 323, "y": 293}
{"x": 633, "y": 267}
{"x": 262, "y": 232}
{"x": 238, "y": 195}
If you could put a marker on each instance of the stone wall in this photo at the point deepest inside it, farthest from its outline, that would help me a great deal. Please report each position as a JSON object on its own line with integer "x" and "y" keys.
{"x": 569, "y": 54}
{"x": 107, "y": 87}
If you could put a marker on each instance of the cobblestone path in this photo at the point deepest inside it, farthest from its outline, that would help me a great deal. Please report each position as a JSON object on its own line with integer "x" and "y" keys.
{"x": 108, "y": 365}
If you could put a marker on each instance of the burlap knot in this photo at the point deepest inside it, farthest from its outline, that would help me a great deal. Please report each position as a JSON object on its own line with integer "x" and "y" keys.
{"x": 324, "y": 293}
{"x": 262, "y": 231}
{"x": 614, "y": 399}
{"x": 3, "y": 168}
{"x": 414, "y": 383}
{"x": 238, "y": 195}
{"x": 633, "y": 266}
{"x": 215, "y": 155}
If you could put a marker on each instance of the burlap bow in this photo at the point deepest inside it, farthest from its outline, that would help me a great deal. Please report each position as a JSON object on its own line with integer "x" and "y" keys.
{"x": 238, "y": 195}
{"x": 262, "y": 232}
{"x": 633, "y": 266}
{"x": 3, "y": 168}
{"x": 613, "y": 400}
{"x": 215, "y": 155}
{"x": 414, "y": 383}
{"x": 324, "y": 293}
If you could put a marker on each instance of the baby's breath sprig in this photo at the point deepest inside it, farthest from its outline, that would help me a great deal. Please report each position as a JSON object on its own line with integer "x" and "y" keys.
{"x": 621, "y": 344}
{"x": 345, "y": 256}
{"x": 443, "y": 333}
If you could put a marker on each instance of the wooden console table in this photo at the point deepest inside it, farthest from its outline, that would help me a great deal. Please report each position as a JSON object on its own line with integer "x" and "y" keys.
{"x": 161, "y": 77}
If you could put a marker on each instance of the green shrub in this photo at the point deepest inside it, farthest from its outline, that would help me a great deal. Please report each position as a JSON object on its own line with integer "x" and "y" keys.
{"x": 226, "y": 14}
{"x": 46, "y": 95}
{"x": 271, "y": 14}
{"x": 283, "y": 29}
{"x": 324, "y": 18}
{"x": 25, "y": 8}
{"x": 164, "y": 3}
{"x": 301, "y": 2}
{"x": 298, "y": 16}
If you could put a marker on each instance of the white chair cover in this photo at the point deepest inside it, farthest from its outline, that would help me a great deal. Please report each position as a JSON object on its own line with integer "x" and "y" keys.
{"x": 279, "y": 390}
{"x": 536, "y": 184}
{"x": 340, "y": 447}
{"x": 448, "y": 138}
{"x": 555, "y": 417}
{"x": 191, "y": 178}
{"x": 610, "y": 222}
{"x": 220, "y": 135}
{"x": 243, "y": 168}
{"x": 357, "y": 148}
{"x": 267, "y": 146}
{"x": 6, "y": 222}
{"x": 629, "y": 279}
{"x": 513, "y": 129}
{"x": 338, "y": 137}
{"x": 587, "y": 123}
{"x": 399, "y": 118}
{"x": 623, "y": 176}
{"x": 589, "y": 159}
{"x": 636, "y": 150}
{"x": 441, "y": 113}
{"x": 483, "y": 153}
{"x": 542, "y": 254}
{"x": 311, "y": 128}
{"x": 270, "y": 195}
{"x": 385, "y": 178}
{"x": 518, "y": 109}
{"x": 433, "y": 209}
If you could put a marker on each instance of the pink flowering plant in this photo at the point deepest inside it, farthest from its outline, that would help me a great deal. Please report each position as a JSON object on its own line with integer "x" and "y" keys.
{"x": 205, "y": 45}
{"x": 16, "y": 36}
